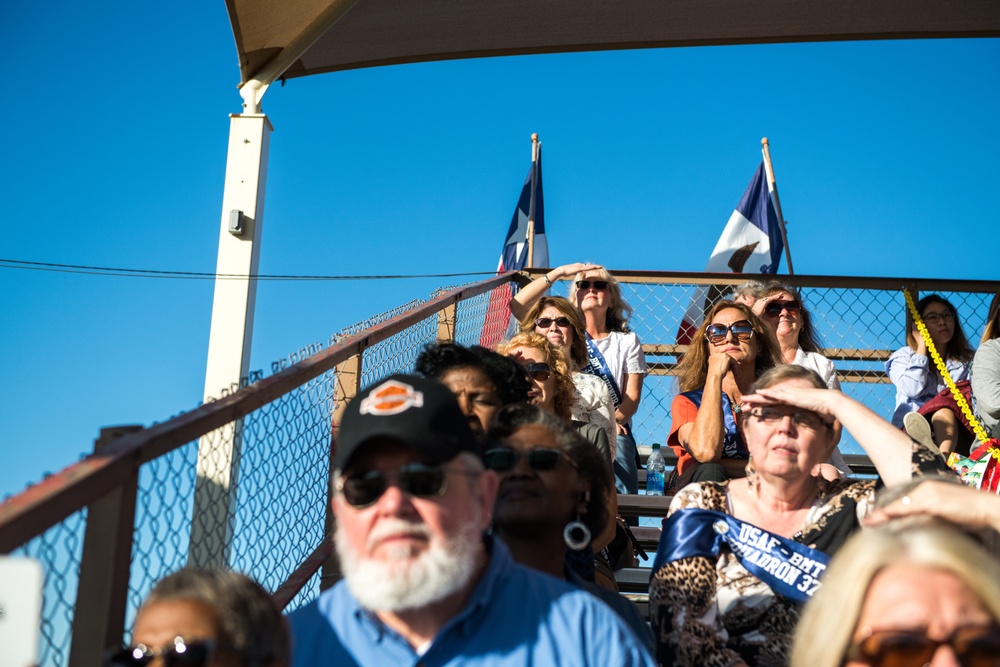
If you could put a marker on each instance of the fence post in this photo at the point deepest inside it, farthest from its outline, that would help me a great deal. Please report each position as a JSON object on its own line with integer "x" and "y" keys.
{"x": 915, "y": 293}
{"x": 102, "y": 593}
{"x": 346, "y": 386}
{"x": 446, "y": 324}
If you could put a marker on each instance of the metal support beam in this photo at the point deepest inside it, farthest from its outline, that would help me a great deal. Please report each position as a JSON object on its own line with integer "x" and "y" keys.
{"x": 348, "y": 385}
{"x": 231, "y": 334}
{"x": 102, "y": 594}
{"x": 446, "y": 324}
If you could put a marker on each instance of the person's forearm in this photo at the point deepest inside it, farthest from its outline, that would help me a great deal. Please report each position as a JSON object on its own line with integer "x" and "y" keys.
{"x": 704, "y": 442}
{"x": 526, "y": 297}
{"x": 890, "y": 449}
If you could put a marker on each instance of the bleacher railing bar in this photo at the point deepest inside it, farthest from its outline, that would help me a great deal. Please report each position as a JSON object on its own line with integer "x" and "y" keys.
{"x": 106, "y": 528}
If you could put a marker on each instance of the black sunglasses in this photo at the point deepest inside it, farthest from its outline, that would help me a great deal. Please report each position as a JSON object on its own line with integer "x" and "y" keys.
{"x": 416, "y": 479}
{"x": 538, "y": 372}
{"x": 546, "y": 322}
{"x": 598, "y": 284}
{"x": 974, "y": 646}
{"x": 775, "y": 307}
{"x": 716, "y": 333}
{"x": 182, "y": 654}
{"x": 503, "y": 459}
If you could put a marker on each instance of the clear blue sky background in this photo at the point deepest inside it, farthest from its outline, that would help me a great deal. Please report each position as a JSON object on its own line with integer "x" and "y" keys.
{"x": 115, "y": 122}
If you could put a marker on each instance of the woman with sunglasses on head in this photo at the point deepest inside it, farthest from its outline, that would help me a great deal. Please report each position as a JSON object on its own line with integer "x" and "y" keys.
{"x": 917, "y": 379}
{"x": 781, "y": 308}
{"x": 727, "y": 353}
{"x": 905, "y": 595}
{"x": 558, "y": 320}
{"x": 737, "y": 558}
{"x": 552, "y": 498}
{"x": 206, "y": 618}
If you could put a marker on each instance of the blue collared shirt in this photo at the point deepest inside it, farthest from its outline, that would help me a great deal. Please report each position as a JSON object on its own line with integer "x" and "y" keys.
{"x": 515, "y": 616}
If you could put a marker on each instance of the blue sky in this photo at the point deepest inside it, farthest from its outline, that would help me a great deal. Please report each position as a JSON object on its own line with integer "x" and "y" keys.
{"x": 114, "y": 155}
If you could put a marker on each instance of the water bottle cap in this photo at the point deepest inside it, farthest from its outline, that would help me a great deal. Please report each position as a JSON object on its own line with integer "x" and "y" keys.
{"x": 656, "y": 446}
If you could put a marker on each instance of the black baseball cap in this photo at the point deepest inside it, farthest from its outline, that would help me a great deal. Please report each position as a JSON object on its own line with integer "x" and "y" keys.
{"x": 419, "y": 412}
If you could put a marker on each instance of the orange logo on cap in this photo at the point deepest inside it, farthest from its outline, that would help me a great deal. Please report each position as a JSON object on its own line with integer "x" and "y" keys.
{"x": 391, "y": 398}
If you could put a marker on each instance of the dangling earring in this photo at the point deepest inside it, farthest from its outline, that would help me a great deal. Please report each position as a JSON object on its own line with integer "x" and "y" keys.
{"x": 576, "y": 534}
{"x": 751, "y": 470}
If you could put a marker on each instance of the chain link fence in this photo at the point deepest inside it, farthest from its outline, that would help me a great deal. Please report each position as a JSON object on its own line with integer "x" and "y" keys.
{"x": 277, "y": 501}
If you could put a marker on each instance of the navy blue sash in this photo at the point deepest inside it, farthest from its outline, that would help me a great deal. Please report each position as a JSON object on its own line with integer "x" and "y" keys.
{"x": 732, "y": 443}
{"x": 790, "y": 568}
{"x": 596, "y": 365}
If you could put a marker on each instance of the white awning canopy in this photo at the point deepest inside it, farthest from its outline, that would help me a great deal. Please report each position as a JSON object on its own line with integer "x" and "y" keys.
{"x": 294, "y": 38}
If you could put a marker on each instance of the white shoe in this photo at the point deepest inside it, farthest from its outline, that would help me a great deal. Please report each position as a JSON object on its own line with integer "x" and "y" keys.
{"x": 918, "y": 428}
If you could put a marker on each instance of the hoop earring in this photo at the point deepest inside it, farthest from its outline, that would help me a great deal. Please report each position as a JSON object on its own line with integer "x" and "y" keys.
{"x": 576, "y": 534}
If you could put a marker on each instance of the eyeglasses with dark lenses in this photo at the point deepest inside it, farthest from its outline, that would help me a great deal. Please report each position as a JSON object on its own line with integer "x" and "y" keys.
{"x": 182, "y": 654}
{"x": 598, "y": 284}
{"x": 805, "y": 419}
{"x": 775, "y": 307}
{"x": 716, "y": 333}
{"x": 416, "y": 479}
{"x": 503, "y": 459}
{"x": 538, "y": 372}
{"x": 934, "y": 318}
{"x": 977, "y": 646}
{"x": 546, "y": 322}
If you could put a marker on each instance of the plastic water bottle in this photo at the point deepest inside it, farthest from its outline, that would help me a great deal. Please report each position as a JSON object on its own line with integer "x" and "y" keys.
{"x": 655, "y": 467}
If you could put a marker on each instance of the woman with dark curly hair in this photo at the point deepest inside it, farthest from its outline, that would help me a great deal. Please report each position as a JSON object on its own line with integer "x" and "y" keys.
{"x": 553, "y": 497}
{"x": 482, "y": 380}
{"x": 727, "y": 353}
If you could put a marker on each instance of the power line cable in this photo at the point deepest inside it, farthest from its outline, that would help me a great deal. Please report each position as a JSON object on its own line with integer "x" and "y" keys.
{"x": 199, "y": 275}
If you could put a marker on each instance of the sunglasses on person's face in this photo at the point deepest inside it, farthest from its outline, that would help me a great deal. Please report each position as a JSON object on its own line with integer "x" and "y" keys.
{"x": 716, "y": 333}
{"x": 416, "y": 479}
{"x": 503, "y": 459}
{"x": 775, "y": 307}
{"x": 973, "y": 646}
{"x": 803, "y": 418}
{"x": 546, "y": 322}
{"x": 597, "y": 284}
{"x": 538, "y": 372}
{"x": 196, "y": 653}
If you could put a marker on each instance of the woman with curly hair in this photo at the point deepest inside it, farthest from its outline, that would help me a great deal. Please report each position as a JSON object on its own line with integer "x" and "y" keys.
{"x": 482, "y": 380}
{"x": 727, "y": 353}
{"x": 552, "y": 386}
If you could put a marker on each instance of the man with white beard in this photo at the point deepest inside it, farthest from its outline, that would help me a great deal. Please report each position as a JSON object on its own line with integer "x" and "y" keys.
{"x": 424, "y": 583}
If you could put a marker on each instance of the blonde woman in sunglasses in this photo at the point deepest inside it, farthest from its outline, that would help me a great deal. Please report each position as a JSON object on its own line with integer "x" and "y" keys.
{"x": 727, "y": 353}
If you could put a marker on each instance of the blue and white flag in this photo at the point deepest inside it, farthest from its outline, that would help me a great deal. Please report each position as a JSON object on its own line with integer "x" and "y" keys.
{"x": 750, "y": 243}
{"x": 514, "y": 256}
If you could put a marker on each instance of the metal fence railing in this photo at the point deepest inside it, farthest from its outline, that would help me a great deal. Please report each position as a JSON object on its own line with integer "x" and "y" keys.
{"x": 106, "y": 528}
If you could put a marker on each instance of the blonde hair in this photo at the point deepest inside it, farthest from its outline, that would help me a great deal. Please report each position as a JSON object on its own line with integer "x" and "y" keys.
{"x": 833, "y": 613}
{"x": 565, "y": 391}
{"x": 616, "y": 319}
{"x": 992, "y": 329}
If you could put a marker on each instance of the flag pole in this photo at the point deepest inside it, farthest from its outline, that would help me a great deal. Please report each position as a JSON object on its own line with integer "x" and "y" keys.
{"x": 531, "y": 205}
{"x": 766, "y": 150}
